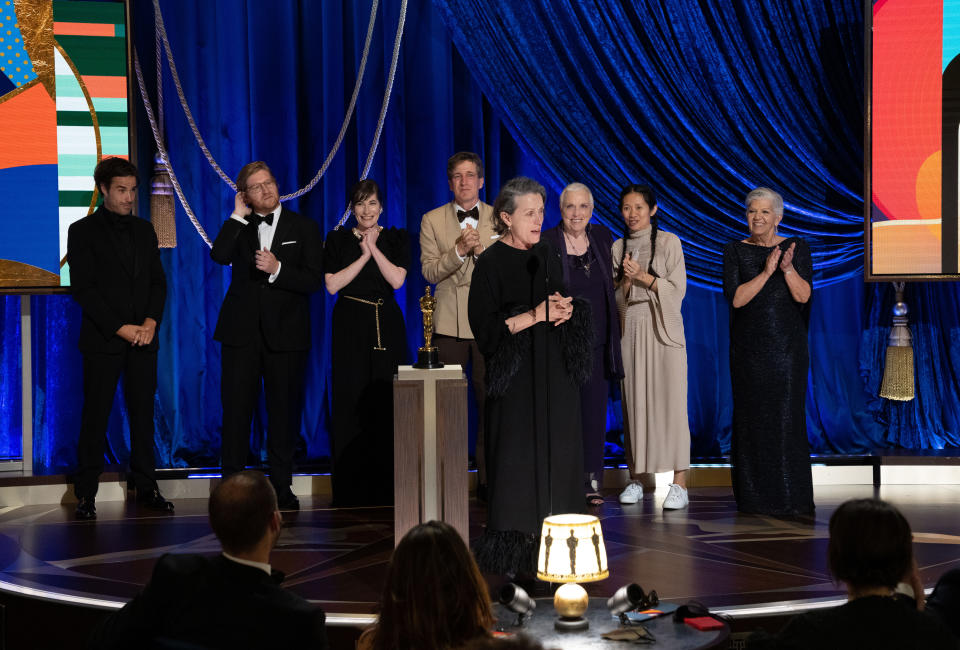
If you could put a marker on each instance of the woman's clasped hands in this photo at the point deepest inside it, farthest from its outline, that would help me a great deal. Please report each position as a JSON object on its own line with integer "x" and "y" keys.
{"x": 561, "y": 309}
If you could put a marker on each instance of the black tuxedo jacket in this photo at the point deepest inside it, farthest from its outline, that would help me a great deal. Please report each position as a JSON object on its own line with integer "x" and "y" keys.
{"x": 114, "y": 285}
{"x": 281, "y": 308}
{"x": 212, "y": 602}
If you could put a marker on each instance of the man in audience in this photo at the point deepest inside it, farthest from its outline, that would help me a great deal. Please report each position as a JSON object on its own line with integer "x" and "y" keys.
{"x": 451, "y": 238}
{"x": 233, "y": 600}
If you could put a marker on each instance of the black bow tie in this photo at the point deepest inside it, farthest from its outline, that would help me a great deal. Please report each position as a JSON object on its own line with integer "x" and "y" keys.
{"x": 267, "y": 219}
{"x": 473, "y": 212}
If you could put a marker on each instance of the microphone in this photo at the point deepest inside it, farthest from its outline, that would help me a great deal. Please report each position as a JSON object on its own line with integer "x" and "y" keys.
{"x": 533, "y": 263}
{"x": 541, "y": 250}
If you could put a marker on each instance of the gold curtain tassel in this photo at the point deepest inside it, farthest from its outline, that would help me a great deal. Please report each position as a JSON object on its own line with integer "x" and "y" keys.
{"x": 162, "y": 206}
{"x": 898, "y": 367}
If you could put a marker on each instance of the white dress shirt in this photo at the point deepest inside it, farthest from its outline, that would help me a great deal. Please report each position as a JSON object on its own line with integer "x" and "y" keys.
{"x": 257, "y": 565}
{"x": 265, "y": 232}
{"x": 463, "y": 225}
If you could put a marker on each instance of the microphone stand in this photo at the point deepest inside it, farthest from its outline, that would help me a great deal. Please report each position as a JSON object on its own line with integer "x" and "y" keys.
{"x": 546, "y": 292}
{"x": 538, "y": 412}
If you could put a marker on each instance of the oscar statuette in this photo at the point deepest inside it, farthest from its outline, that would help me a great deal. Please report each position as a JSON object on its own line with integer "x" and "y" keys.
{"x": 428, "y": 356}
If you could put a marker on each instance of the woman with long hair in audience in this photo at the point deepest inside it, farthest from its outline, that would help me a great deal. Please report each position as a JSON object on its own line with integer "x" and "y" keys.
{"x": 651, "y": 281}
{"x": 434, "y": 597}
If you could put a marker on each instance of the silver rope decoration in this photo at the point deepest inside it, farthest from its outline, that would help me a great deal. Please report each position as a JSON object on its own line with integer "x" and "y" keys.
{"x": 164, "y": 157}
{"x": 158, "y": 61}
{"x": 161, "y": 30}
{"x": 386, "y": 102}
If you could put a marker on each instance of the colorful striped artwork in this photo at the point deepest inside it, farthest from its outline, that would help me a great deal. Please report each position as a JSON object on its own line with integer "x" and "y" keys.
{"x": 63, "y": 106}
{"x": 90, "y": 62}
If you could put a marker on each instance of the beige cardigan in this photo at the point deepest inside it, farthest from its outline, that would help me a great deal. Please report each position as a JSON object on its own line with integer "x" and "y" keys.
{"x": 671, "y": 285}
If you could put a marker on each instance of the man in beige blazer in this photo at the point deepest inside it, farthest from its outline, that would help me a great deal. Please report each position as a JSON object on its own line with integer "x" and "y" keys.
{"x": 451, "y": 238}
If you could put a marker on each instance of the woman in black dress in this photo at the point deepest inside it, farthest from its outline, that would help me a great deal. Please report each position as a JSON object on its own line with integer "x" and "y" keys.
{"x": 588, "y": 273}
{"x": 365, "y": 265}
{"x": 767, "y": 281}
{"x": 534, "y": 371}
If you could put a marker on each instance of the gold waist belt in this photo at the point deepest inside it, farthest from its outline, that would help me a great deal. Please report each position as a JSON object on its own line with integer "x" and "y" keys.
{"x": 376, "y": 313}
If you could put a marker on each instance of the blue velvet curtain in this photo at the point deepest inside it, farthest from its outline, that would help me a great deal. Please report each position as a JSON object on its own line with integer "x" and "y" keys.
{"x": 703, "y": 100}
{"x": 706, "y": 100}
{"x": 10, "y": 395}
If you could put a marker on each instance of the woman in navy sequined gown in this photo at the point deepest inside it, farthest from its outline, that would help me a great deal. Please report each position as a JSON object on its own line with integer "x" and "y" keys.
{"x": 767, "y": 281}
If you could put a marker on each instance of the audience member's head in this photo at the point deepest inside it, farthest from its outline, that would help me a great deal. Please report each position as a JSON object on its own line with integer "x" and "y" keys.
{"x": 434, "y": 595}
{"x": 518, "y": 642}
{"x": 871, "y": 545}
{"x": 243, "y": 513}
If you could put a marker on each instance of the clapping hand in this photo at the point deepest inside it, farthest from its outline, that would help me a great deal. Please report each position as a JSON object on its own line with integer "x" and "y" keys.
{"x": 469, "y": 240}
{"x": 630, "y": 268}
{"x": 636, "y": 273}
{"x": 369, "y": 240}
{"x": 773, "y": 259}
{"x": 786, "y": 262}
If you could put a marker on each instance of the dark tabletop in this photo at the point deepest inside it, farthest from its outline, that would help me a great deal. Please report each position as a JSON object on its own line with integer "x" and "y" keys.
{"x": 669, "y": 635}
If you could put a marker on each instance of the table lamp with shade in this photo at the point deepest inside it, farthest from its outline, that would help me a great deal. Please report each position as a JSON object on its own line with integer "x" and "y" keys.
{"x": 571, "y": 551}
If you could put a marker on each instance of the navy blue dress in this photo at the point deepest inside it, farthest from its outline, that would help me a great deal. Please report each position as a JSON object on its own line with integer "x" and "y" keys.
{"x": 770, "y": 453}
{"x": 590, "y": 277}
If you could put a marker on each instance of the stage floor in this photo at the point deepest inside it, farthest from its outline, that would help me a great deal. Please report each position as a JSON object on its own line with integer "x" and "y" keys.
{"x": 337, "y": 557}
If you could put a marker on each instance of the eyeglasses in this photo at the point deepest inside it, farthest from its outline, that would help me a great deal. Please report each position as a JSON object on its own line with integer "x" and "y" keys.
{"x": 260, "y": 188}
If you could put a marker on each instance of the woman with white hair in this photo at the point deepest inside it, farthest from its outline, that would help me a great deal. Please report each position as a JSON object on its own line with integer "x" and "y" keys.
{"x": 584, "y": 249}
{"x": 767, "y": 281}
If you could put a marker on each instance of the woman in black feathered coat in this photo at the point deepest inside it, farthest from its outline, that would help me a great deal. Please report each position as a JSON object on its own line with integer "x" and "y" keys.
{"x": 535, "y": 362}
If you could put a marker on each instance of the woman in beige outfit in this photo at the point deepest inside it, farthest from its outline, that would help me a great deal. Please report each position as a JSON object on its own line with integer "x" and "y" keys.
{"x": 651, "y": 281}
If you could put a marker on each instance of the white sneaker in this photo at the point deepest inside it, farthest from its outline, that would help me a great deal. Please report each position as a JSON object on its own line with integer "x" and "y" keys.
{"x": 632, "y": 494}
{"x": 676, "y": 498}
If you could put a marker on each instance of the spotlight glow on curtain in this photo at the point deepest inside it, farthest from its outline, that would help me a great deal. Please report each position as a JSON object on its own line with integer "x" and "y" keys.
{"x": 704, "y": 100}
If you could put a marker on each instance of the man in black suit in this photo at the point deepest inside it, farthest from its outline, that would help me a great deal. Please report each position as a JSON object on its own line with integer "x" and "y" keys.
{"x": 264, "y": 323}
{"x": 117, "y": 278}
{"x": 231, "y": 601}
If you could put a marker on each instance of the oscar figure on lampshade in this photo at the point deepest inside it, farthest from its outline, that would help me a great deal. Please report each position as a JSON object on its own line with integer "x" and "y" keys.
{"x": 428, "y": 356}
{"x": 571, "y": 551}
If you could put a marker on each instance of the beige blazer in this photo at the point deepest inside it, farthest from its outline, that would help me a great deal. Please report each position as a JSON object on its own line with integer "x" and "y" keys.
{"x": 439, "y": 230}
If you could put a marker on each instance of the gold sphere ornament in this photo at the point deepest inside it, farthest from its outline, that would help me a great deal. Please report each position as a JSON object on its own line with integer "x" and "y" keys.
{"x": 571, "y": 600}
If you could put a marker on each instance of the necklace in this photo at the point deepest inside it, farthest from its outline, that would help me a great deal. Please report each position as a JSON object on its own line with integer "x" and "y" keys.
{"x": 583, "y": 260}
{"x": 359, "y": 235}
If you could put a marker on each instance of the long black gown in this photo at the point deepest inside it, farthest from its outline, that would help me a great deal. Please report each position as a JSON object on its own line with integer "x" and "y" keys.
{"x": 770, "y": 452}
{"x": 521, "y": 369}
{"x": 361, "y": 445}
